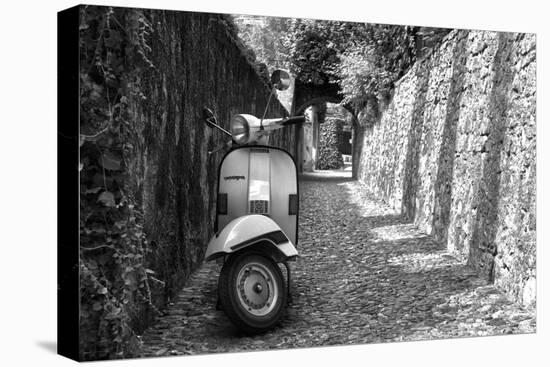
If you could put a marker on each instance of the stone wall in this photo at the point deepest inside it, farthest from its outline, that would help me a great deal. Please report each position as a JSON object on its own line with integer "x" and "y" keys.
{"x": 198, "y": 63}
{"x": 455, "y": 153}
{"x": 159, "y": 68}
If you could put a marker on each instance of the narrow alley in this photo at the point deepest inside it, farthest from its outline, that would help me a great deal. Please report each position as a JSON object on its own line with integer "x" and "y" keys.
{"x": 364, "y": 275}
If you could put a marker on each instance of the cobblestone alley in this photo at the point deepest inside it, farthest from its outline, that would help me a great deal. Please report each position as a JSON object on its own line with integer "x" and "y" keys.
{"x": 363, "y": 276}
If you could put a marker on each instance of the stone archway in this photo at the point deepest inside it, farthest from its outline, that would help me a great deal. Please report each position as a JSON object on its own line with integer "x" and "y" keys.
{"x": 307, "y": 95}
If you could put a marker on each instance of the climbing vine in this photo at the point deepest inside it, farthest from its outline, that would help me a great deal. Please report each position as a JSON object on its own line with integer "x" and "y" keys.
{"x": 329, "y": 153}
{"x": 113, "y": 247}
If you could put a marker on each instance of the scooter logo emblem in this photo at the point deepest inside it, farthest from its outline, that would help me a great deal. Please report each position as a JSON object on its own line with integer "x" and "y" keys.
{"x": 233, "y": 178}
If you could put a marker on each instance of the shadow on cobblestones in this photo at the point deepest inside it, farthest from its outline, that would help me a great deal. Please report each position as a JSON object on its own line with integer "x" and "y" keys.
{"x": 364, "y": 275}
{"x": 386, "y": 220}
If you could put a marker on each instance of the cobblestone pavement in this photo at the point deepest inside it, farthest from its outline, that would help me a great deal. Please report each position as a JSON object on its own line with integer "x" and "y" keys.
{"x": 364, "y": 275}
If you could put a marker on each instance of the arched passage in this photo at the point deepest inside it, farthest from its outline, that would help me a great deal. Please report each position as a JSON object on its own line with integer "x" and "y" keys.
{"x": 308, "y": 95}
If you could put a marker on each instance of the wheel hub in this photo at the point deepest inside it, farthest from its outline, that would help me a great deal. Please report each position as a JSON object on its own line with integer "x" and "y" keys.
{"x": 256, "y": 289}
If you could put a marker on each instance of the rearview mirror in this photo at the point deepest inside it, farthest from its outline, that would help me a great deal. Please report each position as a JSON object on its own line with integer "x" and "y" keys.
{"x": 209, "y": 117}
{"x": 280, "y": 79}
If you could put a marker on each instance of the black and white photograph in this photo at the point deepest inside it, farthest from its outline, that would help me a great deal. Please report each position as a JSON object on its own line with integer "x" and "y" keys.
{"x": 252, "y": 182}
{"x": 244, "y": 181}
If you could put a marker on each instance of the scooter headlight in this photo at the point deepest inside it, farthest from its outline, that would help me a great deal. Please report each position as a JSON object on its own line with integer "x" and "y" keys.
{"x": 239, "y": 129}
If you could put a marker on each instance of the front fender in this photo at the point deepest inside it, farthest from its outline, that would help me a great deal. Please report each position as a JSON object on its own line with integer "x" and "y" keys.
{"x": 246, "y": 231}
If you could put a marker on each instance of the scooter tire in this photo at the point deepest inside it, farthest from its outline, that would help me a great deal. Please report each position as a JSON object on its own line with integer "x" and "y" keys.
{"x": 247, "y": 316}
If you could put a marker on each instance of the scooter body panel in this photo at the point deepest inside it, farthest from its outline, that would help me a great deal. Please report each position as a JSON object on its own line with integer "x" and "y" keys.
{"x": 259, "y": 180}
{"x": 246, "y": 231}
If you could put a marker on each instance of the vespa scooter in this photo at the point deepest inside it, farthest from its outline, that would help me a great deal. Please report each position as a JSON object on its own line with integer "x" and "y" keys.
{"x": 257, "y": 219}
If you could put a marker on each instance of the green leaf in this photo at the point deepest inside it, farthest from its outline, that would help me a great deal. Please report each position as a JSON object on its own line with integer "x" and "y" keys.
{"x": 121, "y": 224}
{"x": 102, "y": 290}
{"x": 95, "y": 190}
{"x": 113, "y": 314}
{"x": 110, "y": 161}
{"x": 104, "y": 259}
{"x": 97, "y": 306}
{"x": 107, "y": 198}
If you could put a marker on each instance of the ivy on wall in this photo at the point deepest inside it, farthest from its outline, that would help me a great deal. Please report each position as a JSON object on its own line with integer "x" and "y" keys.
{"x": 329, "y": 154}
{"x": 114, "y": 277}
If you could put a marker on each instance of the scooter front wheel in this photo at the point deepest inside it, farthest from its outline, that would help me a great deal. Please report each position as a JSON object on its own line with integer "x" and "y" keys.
{"x": 251, "y": 291}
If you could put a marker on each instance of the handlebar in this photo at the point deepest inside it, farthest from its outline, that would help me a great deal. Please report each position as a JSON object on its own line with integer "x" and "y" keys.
{"x": 293, "y": 120}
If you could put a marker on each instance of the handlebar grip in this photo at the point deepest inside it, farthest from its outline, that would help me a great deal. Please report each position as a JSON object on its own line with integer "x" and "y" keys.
{"x": 294, "y": 120}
